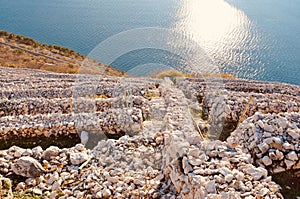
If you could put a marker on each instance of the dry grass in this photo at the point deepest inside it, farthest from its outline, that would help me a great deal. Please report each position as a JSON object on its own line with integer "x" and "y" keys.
{"x": 169, "y": 73}
{"x": 221, "y": 75}
{"x": 65, "y": 60}
{"x": 244, "y": 116}
{"x": 174, "y": 73}
{"x": 16, "y": 58}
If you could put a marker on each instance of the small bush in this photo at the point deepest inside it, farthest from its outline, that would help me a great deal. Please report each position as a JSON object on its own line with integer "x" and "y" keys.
{"x": 3, "y": 33}
{"x": 172, "y": 74}
{"x": 11, "y": 66}
{"x": 18, "y": 51}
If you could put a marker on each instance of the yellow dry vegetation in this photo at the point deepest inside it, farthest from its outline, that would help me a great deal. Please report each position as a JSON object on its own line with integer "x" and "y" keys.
{"x": 175, "y": 73}
{"x": 22, "y": 52}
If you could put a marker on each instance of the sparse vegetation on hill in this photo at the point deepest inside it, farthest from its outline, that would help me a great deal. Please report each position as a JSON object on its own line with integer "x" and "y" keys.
{"x": 18, "y": 51}
{"x": 175, "y": 73}
{"x": 19, "y": 39}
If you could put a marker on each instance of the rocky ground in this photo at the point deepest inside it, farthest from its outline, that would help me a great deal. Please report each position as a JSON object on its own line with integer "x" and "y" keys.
{"x": 146, "y": 138}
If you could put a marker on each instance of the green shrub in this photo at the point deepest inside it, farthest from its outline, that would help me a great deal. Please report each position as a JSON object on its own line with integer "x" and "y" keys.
{"x": 3, "y": 33}
{"x": 18, "y": 51}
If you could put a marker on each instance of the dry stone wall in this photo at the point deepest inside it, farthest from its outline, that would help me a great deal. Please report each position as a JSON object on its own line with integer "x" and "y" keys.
{"x": 170, "y": 158}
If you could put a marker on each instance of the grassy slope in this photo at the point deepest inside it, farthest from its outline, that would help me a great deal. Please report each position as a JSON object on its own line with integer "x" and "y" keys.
{"x": 37, "y": 56}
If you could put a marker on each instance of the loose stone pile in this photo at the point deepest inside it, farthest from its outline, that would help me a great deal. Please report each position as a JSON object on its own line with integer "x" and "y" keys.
{"x": 273, "y": 139}
{"x": 214, "y": 170}
{"x": 133, "y": 168}
{"x": 161, "y": 151}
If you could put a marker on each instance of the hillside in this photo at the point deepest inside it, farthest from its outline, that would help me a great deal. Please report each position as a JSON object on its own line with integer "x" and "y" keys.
{"x": 18, "y": 51}
{"x": 147, "y": 138}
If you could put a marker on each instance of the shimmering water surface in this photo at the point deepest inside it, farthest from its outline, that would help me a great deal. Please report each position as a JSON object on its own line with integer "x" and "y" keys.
{"x": 257, "y": 39}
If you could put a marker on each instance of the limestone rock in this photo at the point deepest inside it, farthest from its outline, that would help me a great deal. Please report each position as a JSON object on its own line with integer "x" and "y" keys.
{"x": 289, "y": 163}
{"x": 228, "y": 178}
{"x": 28, "y": 167}
{"x": 279, "y": 155}
{"x": 78, "y": 158}
{"x": 186, "y": 166}
{"x": 263, "y": 147}
{"x": 266, "y": 160}
{"x": 294, "y": 134}
{"x": 106, "y": 193}
{"x": 37, "y": 191}
{"x": 84, "y": 137}
{"x": 211, "y": 187}
{"x": 278, "y": 170}
{"x": 292, "y": 156}
{"x": 50, "y": 152}
{"x": 255, "y": 173}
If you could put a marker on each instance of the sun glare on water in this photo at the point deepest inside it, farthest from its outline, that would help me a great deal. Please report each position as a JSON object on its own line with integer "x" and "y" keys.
{"x": 222, "y": 30}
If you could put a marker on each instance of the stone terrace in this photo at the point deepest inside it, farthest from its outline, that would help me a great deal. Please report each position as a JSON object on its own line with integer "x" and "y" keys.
{"x": 164, "y": 134}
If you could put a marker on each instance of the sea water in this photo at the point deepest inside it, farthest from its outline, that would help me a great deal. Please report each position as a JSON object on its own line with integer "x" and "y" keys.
{"x": 257, "y": 39}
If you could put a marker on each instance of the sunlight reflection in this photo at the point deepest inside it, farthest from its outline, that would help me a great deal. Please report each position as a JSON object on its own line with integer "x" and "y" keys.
{"x": 223, "y": 31}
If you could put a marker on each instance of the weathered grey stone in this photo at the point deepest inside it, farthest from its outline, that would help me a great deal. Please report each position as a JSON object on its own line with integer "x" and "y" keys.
{"x": 211, "y": 187}
{"x": 264, "y": 191}
{"x": 56, "y": 185}
{"x": 52, "y": 151}
{"x": 287, "y": 146}
{"x": 294, "y": 134}
{"x": 266, "y": 160}
{"x": 289, "y": 163}
{"x": 255, "y": 173}
{"x": 186, "y": 166}
{"x": 194, "y": 152}
{"x": 195, "y": 162}
{"x": 279, "y": 155}
{"x": 228, "y": 178}
{"x": 98, "y": 194}
{"x": 292, "y": 156}
{"x": 278, "y": 170}
{"x": 84, "y": 137}
{"x": 78, "y": 158}
{"x": 54, "y": 177}
{"x": 268, "y": 128}
{"x": 277, "y": 143}
{"x": 263, "y": 147}
{"x": 37, "y": 191}
{"x": 145, "y": 166}
{"x": 261, "y": 124}
{"x": 28, "y": 167}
